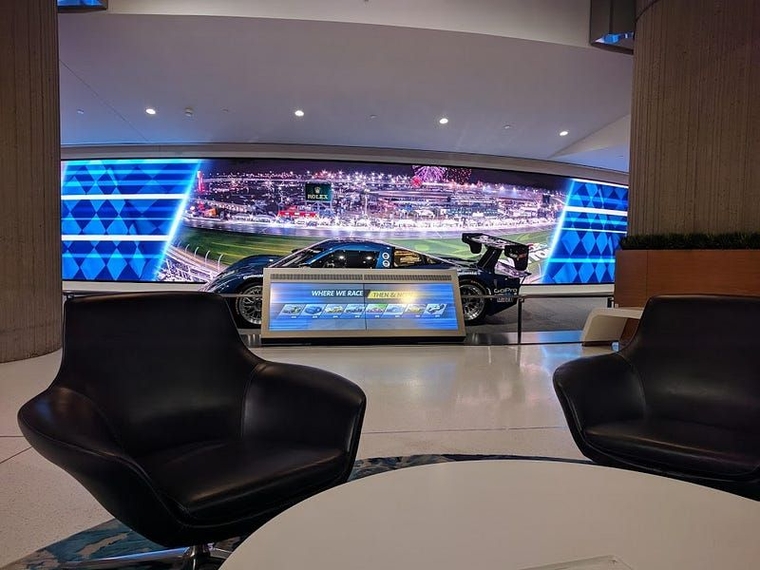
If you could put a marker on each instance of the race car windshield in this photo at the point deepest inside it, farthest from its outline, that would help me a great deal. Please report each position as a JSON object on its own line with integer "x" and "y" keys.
{"x": 299, "y": 257}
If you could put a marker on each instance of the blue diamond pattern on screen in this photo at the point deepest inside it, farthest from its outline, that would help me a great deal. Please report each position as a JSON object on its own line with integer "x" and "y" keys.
{"x": 594, "y": 220}
{"x": 117, "y": 216}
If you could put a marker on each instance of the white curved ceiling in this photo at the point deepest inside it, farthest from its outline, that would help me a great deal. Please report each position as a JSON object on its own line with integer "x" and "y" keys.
{"x": 244, "y": 75}
{"x": 555, "y": 21}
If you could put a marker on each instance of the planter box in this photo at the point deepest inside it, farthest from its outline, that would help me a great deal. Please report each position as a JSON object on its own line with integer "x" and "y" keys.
{"x": 641, "y": 273}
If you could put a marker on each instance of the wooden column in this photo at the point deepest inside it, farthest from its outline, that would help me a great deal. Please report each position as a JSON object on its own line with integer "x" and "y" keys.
{"x": 695, "y": 132}
{"x": 30, "y": 179}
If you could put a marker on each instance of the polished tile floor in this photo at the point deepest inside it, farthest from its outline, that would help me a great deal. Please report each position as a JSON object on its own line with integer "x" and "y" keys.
{"x": 421, "y": 399}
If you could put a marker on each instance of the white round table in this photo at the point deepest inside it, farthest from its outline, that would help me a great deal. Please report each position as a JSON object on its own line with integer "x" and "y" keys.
{"x": 508, "y": 515}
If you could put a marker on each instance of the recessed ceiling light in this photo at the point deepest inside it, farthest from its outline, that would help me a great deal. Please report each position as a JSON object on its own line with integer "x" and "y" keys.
{"x": 563, "y": 133}
{"x": 150, "y": 111}
{"x": 507, "y": 126}
{"x": 373, "y": 116}
{"x": 80, "y": 111}
{"x": 443, "y": 120}
{"x": 189, "y": 111}
{"x": 299, "y": 113}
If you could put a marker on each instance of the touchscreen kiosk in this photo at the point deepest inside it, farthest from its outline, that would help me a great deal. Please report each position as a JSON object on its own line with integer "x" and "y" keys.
{"x": 345, "y": 303}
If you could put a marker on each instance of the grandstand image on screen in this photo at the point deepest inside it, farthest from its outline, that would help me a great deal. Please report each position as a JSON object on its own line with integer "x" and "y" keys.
{"x": 248, "y": 207}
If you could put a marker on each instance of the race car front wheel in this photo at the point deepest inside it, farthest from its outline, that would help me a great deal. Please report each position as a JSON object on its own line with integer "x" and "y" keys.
{"x": 248, "y": 309}
{"x": 473, "y": 301}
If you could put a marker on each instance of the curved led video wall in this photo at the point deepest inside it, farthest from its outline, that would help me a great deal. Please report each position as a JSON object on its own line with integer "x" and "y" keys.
{"x": 188, "y": 219}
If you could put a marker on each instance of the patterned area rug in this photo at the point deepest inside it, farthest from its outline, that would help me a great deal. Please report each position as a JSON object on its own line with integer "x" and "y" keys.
{"x": 114, "y": 539}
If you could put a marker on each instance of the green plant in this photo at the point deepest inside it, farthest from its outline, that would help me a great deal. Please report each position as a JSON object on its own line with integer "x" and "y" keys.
{"x": 736, "y": 240}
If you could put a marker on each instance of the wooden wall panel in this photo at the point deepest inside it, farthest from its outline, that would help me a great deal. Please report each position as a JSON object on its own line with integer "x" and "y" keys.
{"x": 630, "y": 277}
{"x": 732, "y": 272}
{"x": 641, "y": 274}
{"x": 30, "y": 218}
{"x": 695, "y": 125}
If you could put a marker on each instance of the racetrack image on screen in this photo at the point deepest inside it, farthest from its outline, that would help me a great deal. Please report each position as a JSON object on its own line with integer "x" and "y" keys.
{"x": 187, "y": 220}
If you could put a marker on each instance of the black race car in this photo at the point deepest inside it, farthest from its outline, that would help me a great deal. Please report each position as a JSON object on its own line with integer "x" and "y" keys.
{"x": 487, "y": 285}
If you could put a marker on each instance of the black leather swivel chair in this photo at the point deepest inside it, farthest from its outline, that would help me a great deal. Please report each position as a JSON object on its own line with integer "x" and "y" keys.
{"x": 682, "y": 399}
{"x": 178, "y": 430}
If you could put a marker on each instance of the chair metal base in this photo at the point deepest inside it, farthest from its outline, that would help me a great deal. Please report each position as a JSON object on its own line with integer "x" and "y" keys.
{"x": 180, "y": 558}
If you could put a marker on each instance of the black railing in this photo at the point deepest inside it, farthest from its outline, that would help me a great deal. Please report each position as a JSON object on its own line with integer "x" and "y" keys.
{"x": 520, "y": 300}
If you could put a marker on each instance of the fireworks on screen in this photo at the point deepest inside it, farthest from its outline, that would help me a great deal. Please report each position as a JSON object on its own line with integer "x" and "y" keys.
{"x": 430, "y": 173}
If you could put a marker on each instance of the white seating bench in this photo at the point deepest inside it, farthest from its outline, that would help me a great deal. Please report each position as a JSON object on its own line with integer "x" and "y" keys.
{"x": 605, "y": 325}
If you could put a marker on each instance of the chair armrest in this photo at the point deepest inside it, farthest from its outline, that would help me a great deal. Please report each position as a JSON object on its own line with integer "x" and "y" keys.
{"x": 63, "y": 417}
{"x": 599, "y": 389}
{"x": 290, "y": 402}
{"x": 69, "y": 430}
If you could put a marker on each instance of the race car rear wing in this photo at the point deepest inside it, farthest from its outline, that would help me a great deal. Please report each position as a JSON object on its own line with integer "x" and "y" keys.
{"x": 495, "y": 246}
